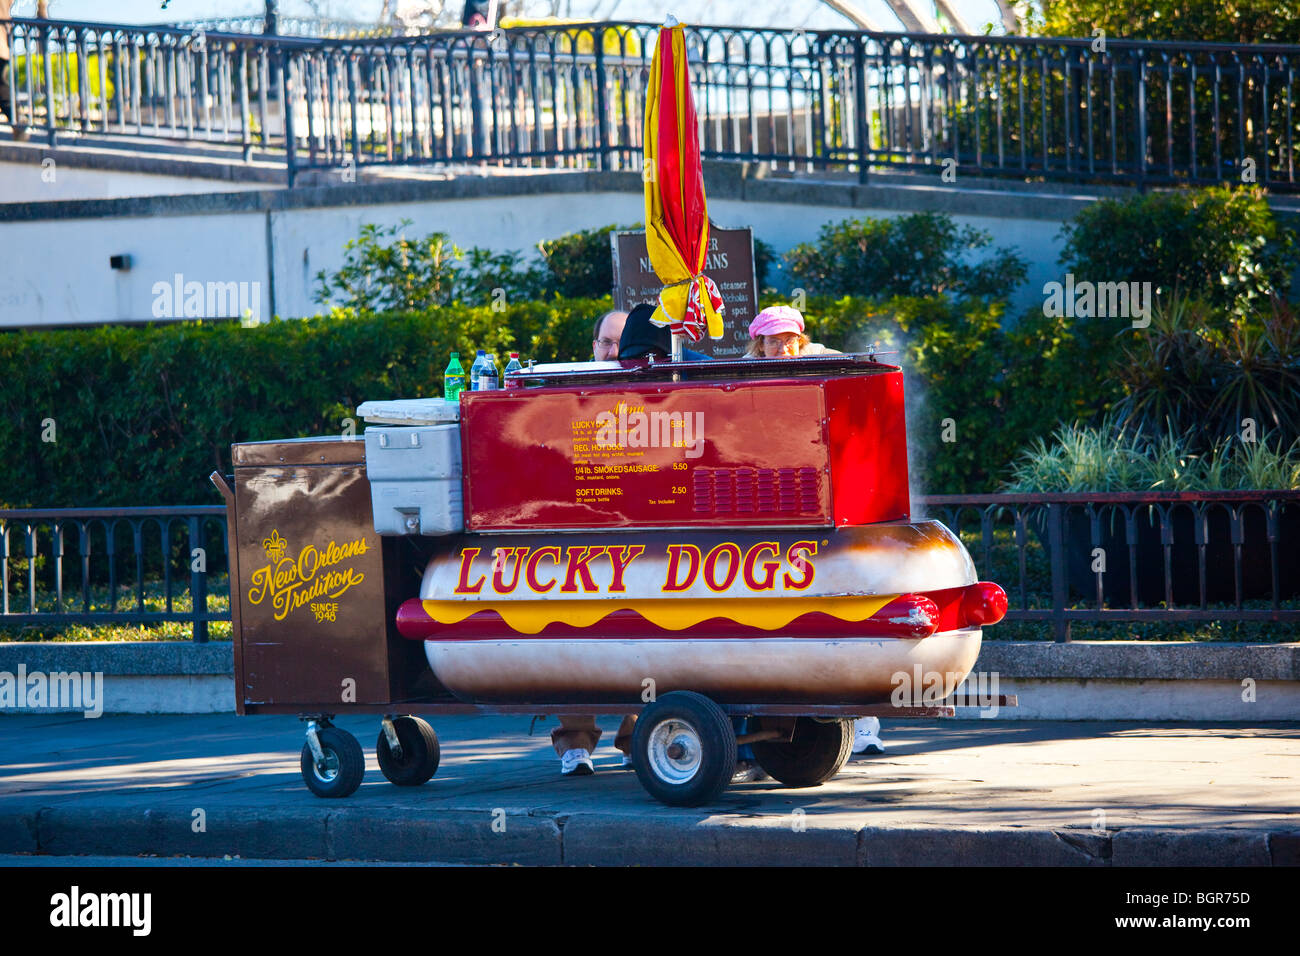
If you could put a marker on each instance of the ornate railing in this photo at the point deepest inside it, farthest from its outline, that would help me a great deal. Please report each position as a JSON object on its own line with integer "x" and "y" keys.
{"x": 573, "y": 96}
{"x": 1145, "y": 557}
{"x": 111, "y": 566}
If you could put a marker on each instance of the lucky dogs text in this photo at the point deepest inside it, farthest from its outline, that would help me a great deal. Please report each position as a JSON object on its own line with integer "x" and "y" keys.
{"x": 541, "y": 570}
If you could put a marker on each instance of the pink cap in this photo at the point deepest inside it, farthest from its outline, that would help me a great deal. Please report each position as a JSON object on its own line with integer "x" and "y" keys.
{"x": 775, "y": 319}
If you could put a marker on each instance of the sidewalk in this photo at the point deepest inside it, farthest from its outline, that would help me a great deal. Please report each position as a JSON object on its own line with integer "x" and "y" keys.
{"x": 945, "y": 793}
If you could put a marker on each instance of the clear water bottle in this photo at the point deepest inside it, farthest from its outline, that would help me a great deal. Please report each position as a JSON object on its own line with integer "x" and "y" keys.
{"x": 512, "y": 367}
{"x": 475, "y": 370}
{"x": 489, "y": 377}
{"x": 453, "y": 380}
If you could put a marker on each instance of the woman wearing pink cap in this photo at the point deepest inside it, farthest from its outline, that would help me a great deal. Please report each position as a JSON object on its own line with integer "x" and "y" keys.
{"x": 777, "y": 332}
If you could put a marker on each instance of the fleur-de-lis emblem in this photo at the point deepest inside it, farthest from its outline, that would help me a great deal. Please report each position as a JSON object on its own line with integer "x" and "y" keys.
{"x": 275, "y": 545}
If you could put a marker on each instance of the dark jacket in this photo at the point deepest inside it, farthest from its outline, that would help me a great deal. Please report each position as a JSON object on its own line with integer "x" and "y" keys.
{"x": 641, "y": 338}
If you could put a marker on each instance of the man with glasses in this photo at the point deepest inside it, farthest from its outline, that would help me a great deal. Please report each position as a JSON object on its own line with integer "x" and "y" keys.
{"x": 575, "y": 739}
{"x": 605, "y": 335}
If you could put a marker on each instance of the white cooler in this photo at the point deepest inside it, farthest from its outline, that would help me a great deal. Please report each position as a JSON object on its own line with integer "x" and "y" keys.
{"x": 414, "y": 469}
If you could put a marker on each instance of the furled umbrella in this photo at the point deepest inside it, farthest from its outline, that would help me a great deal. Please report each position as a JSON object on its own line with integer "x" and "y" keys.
{"x": 676, "y": 212}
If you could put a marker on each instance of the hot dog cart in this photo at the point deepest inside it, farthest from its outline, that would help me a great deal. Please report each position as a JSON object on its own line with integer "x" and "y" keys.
{"x": 689, "y": 542}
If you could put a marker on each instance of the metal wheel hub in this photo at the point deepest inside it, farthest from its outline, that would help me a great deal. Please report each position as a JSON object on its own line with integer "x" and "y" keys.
{"x": 329, "y": 769}
{"x": 674, "y": 751}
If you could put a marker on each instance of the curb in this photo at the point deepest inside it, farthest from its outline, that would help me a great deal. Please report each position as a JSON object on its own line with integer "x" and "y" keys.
{"x": 517, "y": 836}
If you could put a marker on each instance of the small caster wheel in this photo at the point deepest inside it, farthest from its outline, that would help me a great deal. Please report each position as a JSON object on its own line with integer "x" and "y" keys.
{"x": 420, "y": 753}
{"x": 816, "y": 752}
{"x": 684, "y": 749}
{"x": 343, "y": 766}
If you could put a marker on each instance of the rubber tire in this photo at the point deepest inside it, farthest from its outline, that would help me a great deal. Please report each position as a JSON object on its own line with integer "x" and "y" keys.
{"x": 717, "y": 749}
{"x": 815, "y": 754}
{"x": 352, "y": 764}
{"x": 420, "y": 752}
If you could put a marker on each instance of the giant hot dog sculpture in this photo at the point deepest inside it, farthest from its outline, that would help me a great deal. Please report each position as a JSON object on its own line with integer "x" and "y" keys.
{"x": 744, "y": 538}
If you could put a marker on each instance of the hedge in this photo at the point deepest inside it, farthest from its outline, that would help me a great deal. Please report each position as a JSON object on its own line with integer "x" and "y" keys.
{"x": 141, "y": 415}
{"x": 144, "y": 414}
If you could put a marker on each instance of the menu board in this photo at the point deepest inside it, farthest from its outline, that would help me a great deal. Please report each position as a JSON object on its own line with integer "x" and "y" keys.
{"x": 665, "y": 456}
{"x": 612, "y": 447}
{"x": 730, "y": 264}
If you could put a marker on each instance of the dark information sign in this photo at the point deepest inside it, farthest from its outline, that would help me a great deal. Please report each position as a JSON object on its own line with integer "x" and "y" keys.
{"x": 730, "y": 263}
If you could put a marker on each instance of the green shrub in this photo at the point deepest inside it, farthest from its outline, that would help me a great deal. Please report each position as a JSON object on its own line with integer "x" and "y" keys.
{"x": 1058, "y": 369}
{"x": 413, "y": 274}
{"x": 581, "y": 264}
{"x": 1226, "y": 21}
{"x": 922, "y": 254}
{"x": 765, "y": 258}
{"x": 1219, "y": 243}
{"x": 144, "y": 414}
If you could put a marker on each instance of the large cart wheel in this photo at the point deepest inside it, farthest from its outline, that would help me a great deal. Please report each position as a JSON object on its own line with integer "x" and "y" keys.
{"x": 419, "y": 757}
{"x": 343, "y": 765}
{"x": 684, "y": 749}
{"x": 816, "y": 752}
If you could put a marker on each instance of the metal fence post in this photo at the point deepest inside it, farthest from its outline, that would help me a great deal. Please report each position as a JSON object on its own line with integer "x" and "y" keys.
{"x": 1056, "y": 544}
{"x": 245, "y": 115}
{"x": 353, "y": 82}
{"x": 860, "y": 105}
{"x": 1141, "y": 157}
{"x": 475, "y": 113}
{"x": 602, "y": 120}
{"x": 286, "y": 105}
{"x": 51, "y": 112}
{"x": 198, "y": 582}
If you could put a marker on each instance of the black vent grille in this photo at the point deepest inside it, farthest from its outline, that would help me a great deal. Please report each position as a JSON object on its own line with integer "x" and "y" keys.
{"x": 756, "y": 491}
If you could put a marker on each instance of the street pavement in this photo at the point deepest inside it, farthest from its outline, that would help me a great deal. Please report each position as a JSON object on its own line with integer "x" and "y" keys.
{"x": 952, "y": 792}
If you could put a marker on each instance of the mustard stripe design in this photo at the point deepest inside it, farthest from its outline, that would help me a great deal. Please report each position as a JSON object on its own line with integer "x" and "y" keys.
{"x": 673, "y": 614}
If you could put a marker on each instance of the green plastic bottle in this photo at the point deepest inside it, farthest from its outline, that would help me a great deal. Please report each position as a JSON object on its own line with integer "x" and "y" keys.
{"x": 453, "y": 380}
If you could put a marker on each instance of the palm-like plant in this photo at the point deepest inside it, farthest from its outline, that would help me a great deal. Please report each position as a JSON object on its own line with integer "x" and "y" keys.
{"x": 1203, "y": 370}
{"x": 1257, "y": 373}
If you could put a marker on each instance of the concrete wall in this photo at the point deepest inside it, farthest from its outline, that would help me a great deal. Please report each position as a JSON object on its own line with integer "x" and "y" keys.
{"x": 57, "y": 271}
{"x": 57, "y": 253}
{"x": 27, "y": 182}
{"x": 1085, "y": 680}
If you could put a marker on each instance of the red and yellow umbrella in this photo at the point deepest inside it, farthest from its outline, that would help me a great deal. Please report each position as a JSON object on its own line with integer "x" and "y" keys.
{"x": 676, "y": 212}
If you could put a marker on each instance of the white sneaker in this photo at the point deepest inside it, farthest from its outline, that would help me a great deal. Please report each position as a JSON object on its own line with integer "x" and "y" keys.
{"x": 627, "y": 762}
{"x": 576, "y": 763}
{"x": 866, "y": 736}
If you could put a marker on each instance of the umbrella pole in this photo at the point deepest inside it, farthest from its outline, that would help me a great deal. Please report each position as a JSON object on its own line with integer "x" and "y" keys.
{"x": 677, "y": 355}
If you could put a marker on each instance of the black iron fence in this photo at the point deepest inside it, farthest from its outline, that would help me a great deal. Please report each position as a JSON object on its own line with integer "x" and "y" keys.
{"x": 111, "y": 566}
{"x": 573, "y": 96}
{"x": 1145, "y": 557}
